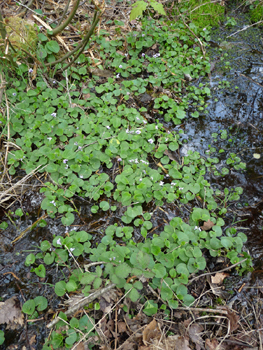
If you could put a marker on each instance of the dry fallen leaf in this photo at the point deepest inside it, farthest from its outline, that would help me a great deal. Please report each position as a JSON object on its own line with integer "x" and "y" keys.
{"x": 207, "y": 225}
{"x": 219, "y": 277}
{"x": 169, "y": 154}
{"x": 233, "y": 318}
{"x": 194, "y": 334}
{"x": 211, "y": 344}
{"x": 151, "y": 332}
{"x": 121, "y": 327}
{"x": 180, "y": 343}
{"x": 10, "y": 313}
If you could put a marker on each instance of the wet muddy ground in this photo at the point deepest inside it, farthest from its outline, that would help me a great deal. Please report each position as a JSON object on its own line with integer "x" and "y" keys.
{"x": 239, "y": 111}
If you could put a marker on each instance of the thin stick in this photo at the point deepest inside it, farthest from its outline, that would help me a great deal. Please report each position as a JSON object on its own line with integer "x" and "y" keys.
{"x": 200, "y": 309}
{"x": 8, "y": 129}
{"x": 83, "y": 302}
{"x": 29, "y": 228}
{"x": 212, "y": 273}
{"x": 245, "y": 28}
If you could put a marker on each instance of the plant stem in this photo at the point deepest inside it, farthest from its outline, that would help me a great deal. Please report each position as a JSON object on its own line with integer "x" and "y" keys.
{"x": 63, "y": 25}
{"x": 81, "y": 45}
{"x": 2, "y": 27}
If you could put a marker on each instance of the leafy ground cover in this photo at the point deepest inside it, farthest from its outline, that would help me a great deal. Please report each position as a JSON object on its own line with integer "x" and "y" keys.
{"x": 95, "y": 139}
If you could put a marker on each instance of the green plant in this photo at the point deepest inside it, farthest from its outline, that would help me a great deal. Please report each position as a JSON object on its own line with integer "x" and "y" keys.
{"x": 140, "y": 6}
{"x": 230, "y": 22}
{"x": 94, "y": 146}
{"x": 2, "y": 337}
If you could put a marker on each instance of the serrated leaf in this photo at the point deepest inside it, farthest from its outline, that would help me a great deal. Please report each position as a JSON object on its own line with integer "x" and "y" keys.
{"x": 158, "y": 7}
{"x": 123, "y": 270}
{"x": 138, "y": 9}
{"x": 134, "y": 295}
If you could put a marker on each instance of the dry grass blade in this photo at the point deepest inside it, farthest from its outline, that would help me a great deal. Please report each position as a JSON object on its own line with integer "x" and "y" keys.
{"x": 13, "y": 188}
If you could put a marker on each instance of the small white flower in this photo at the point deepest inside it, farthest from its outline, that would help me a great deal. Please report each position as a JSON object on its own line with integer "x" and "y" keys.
{"x": 54, "y": 114}
{"x": 114, "y": 258}
{"x": 181, "y": 188}
{"x": 81, "y": 176}
{"x": 72, "y": 249}
{"x": 143, "y": 34}
{"x": 119, "y": 159}
{"x": 127, "y": 131}
{"x": 59, "y": 242}
{"x": 120, "y": 66}
{"x": 138, "y": 132}
{"x": 108, "y": 127}
{"x": 49, "y": 138}
{"x": 168, "y": 132}
{"x": 150, "y": 141}
{"x": 167, "y": 175}
{"x": 126, "y": 54}
{"x": 54, "y": 82}
{"x": 137, "y": 118}
{"x": 40, "y": 27}
{"x": 140, "y": 179}
{"x": 65, "y": 161}
{"x": 30, "y": 70}
{"x": 66, "y": 166}
{"x": 79, "y": 148}
{"x": 14, "y": 94}
{"x": 75, "y": 143}
{"x": 136, "y": 161}
{"x": 144, "y": 122}
{"x": 53, "y": 202}
{"x": 143, "y": 54}
{"x": 156, "y": 127}
{"x": 204, "y": 29}
{"x": 161, "y": 183}
{"x": 118, "y": 75}
{"x": 151, "y": 178}
{"x": 173, "y": 183}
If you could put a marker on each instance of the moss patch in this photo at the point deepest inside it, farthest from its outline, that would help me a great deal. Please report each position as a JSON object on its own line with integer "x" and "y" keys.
{"x": 21, "y": 33}
{"x": 256, "y": 13}
{"x": 204, "y": 14}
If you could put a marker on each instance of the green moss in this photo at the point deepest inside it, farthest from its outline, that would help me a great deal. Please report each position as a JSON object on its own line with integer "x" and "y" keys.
{"x": 206, "y": 15}
{"x": 22, "y": 33}
{"x": 256, "y": 13}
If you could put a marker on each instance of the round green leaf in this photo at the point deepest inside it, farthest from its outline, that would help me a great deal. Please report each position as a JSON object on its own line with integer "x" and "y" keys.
{"x": 60, "y": 288}
{"x": 29, "y": 307}
{"x": 52, "y": 46}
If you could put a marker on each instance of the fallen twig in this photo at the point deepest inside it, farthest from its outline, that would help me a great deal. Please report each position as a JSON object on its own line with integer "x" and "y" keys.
{"x": 83, "y": 302}
{"x": 212, "y": 273}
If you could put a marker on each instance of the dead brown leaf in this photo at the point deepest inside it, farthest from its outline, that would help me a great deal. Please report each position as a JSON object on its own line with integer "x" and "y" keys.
{"x": 207, "y": 225}
{"x": 122, "y": 327}
{"x": 211, "y": 344}
{"x": 180, "y": 343}
{"x": 10, "y": 313}
{"x": 219, "y": 277}
{"x": 85, "y": 346}
{"x": 233, "y": 319}
{"x": 169, "y": 154}
{"x": 194, "y": 334}
{"x": 151, "y": 332}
